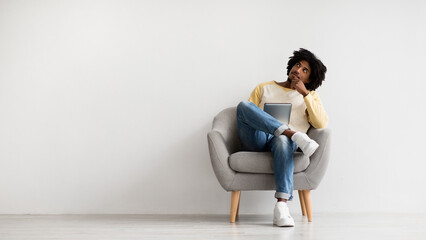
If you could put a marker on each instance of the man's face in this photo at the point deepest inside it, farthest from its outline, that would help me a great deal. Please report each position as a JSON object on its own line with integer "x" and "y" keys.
{"x": 301, "y": 70}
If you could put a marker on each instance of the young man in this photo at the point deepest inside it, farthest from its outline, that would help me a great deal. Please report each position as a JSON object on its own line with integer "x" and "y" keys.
{"x": 259, "y": 131}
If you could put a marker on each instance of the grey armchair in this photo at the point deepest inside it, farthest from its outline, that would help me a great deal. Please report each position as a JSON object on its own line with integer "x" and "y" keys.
{"x": 239, "y": 171}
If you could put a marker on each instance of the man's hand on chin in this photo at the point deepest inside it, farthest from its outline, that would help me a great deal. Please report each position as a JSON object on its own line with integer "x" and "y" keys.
{"x": 298, "y": 85}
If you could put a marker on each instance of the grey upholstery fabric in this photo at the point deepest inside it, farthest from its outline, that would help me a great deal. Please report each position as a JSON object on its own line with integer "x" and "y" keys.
{"x": 234, "y": 174}
{"x": 263, "y": 162}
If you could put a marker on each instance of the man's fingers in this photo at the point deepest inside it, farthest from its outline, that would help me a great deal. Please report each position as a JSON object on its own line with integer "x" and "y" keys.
{"x": 295, "y": 82}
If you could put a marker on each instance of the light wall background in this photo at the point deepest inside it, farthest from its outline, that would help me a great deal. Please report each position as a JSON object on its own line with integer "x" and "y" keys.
{"x": 105, "y": 105}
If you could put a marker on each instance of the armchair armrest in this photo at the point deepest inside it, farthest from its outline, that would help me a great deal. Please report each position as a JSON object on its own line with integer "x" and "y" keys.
{"x": 319, "y": 160}
{"x": 219, "y": 155}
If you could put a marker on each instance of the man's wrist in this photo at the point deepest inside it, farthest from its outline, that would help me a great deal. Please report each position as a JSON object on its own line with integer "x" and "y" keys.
{"x": 305, "y": 94}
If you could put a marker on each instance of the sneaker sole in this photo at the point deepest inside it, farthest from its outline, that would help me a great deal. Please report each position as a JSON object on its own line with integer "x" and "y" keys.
{"x": 283, "y": 224}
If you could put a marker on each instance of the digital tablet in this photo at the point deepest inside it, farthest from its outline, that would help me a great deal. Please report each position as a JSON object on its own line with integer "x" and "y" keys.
{"x": 280, "y": 111}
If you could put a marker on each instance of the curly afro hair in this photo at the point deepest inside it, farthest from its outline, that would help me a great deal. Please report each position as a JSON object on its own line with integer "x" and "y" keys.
{"x": 318, "y": 69}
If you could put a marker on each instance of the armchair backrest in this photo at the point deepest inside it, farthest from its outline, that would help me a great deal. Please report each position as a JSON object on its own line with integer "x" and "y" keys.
{"x": 226, "y": 124}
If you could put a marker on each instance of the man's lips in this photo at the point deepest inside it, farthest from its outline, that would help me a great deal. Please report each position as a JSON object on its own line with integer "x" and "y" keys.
{"x": 295, "y": 75}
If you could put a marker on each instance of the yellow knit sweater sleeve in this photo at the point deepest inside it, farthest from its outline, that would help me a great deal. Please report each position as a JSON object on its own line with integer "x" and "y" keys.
{"x": 256, "y": 95}
{"x": 315, "y": 112}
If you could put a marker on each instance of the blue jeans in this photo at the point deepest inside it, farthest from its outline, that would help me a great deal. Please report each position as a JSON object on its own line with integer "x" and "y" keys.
{"x": 260, "y": 132}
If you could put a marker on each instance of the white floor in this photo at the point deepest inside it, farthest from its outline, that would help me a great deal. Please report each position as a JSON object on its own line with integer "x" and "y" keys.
{"x": 325, "y": 226}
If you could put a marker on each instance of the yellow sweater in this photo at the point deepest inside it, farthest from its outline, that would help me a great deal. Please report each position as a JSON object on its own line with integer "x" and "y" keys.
{"x": 305, "y": 111}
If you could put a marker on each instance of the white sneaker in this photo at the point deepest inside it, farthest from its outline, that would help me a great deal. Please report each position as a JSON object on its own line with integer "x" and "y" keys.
{"x": 305, "y": 143}
{"x": 282, "y": 216}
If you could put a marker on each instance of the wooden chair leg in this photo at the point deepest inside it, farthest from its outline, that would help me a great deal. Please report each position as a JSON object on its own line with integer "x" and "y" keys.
{"x": 302, "y": 202}
{"x": 235, "y": 200}
{"x": 308, "y": 204}
{"x": 238, "y": 208}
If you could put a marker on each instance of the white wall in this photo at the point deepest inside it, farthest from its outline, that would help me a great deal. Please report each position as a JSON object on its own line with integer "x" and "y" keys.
{"x": 105, "y": 105}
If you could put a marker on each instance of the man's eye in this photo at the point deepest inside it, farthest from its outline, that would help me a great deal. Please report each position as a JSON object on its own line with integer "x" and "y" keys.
{"x": 305, "y": 71}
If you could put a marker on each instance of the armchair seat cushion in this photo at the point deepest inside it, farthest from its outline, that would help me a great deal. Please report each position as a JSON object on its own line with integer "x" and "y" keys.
{"x": 263, "y": 162}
